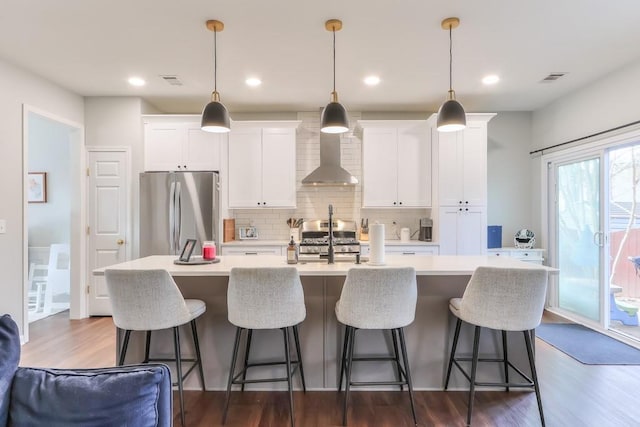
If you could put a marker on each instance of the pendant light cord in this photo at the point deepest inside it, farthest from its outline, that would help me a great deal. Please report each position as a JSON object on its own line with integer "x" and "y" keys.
{"x": 334, "y": 59}
{"x": 215, "y": 61}
{"x": 450, "y": 60}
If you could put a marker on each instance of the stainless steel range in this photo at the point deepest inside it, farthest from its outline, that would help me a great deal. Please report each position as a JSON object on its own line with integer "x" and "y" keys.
{"x": 314, "y": 240}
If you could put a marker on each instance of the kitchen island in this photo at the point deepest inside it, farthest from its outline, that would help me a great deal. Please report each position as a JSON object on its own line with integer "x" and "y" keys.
{"x": 428, "y": 338}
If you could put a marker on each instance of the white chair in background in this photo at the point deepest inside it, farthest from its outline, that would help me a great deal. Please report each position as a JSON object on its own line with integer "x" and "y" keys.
{"x": 37, "y": 285}
{"x": 58, "y": 279}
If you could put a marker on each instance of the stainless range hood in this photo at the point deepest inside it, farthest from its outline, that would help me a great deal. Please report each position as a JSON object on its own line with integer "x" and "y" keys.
{"x": 329, "y": 172}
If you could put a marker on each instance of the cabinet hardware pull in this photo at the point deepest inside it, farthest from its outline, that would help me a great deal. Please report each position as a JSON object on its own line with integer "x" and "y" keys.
{"x": 400, "y": 202}
{"x": 408, "y": 253}
{"x": 251, "y": 253}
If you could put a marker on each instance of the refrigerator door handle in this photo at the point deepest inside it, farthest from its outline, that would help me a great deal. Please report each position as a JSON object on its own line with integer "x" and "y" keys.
{"x": 172, "y": 232}
{"x": 178, "y": 214}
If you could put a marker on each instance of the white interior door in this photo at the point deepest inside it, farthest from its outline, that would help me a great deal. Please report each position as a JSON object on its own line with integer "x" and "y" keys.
{"x": 108, "y": 225}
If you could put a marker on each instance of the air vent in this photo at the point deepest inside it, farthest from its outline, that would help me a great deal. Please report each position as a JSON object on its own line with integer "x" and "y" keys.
{"x": 552, "y": 77}
{"x": 172, "y": 80}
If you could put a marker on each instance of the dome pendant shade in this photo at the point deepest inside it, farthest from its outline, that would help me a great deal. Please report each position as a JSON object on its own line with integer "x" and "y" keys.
{"x": 334, "y": 118}
{"x": 215, "y": 118}
{"x": 451, "y": 116}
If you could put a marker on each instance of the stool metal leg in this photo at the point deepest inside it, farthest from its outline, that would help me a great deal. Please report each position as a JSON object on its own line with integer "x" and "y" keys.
{"x": 456, "y": 335}
{"x": 231, "y": 374}
{"x": 474, "y": 367}
{"x": 125, "y": 344}
{"x": 146, "y": 347}
{"x": 534, "y": 374}
{"x": 196, "y": 344}
{"x": 246, "y": 356}
{"x": 288, "y": 362}
{"x": 397, "y": 357}
{"x": 506, "y": 359}
{"x": 352, "y": 338}
{"x": 407, "y": 370}
{"x": 405, "y": 362}
{"x": 344, "y": 355}
{"x": 297, "y": 340}
{"x": 176, "y": 345}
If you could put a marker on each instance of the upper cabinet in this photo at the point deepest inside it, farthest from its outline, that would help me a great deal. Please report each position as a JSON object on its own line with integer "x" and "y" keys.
{"x": 396, "y": 164}
{"x": 461, "y": 175}
{"x": 462, "y": 163}
{"x": 175, "y": 143}
{"x": 262, "y": 164}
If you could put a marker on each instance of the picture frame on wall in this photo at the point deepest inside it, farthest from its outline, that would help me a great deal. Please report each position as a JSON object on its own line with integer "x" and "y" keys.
{"x": 37, "y": 187}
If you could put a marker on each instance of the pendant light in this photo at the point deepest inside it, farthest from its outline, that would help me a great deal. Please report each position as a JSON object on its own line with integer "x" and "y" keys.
{"x": 334, "y": 116}
{"x": 215, "y": 117}
{"x": 451, "y": 115}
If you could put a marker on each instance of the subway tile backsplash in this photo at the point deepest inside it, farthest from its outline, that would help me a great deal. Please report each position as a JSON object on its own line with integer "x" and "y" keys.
{"x": 313, "y": 202}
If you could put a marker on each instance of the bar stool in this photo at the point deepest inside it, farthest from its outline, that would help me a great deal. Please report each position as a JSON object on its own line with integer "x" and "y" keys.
{"x": 374, "y": 298}
{"x": 504, "y": 299}
{"x": 149, "y": 300}
{"x": 265, "y": 298}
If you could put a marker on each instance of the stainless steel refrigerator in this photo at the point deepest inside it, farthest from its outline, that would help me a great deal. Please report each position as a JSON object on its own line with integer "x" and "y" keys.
{"x": 176, "y": 206}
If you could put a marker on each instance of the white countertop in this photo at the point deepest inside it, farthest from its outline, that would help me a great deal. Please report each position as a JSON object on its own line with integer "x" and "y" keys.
{"x": 425, "y": 265}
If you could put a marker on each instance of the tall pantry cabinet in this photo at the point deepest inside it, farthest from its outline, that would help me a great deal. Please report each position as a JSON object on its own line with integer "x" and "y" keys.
{"x": 461, "y": 190}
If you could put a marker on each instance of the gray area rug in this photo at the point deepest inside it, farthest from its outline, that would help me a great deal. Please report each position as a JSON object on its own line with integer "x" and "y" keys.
{"x": 586, "y": 345}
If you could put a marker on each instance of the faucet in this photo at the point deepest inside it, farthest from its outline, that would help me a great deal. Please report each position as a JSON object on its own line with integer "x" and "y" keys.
{"x": 330, "y": 250}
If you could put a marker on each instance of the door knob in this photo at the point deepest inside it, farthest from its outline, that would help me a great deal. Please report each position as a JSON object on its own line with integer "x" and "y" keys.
{"x": 120, "y": 242}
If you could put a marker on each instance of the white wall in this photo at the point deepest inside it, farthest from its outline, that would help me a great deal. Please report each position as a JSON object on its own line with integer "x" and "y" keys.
{"x": 49, "y": 151}
{"x": 609, "y": 102}
{"x": 508, "y": 174}
{"x": 117, "y": 122}
{"x": 19, "y": 87}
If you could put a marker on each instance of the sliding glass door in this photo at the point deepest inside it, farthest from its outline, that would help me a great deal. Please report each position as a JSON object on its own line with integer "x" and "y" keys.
{"x": 579, "y": 240}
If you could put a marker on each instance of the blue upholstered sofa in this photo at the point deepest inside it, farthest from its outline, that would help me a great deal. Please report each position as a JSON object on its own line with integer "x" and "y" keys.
{"x": 135, "y": 395}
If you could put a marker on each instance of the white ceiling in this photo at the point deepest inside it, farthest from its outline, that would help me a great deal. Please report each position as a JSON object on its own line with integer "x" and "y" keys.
{"x": 92, "y": 47}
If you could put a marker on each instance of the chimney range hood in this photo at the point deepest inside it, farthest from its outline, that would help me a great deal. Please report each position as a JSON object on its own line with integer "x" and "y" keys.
{"x": 329, "y": 172}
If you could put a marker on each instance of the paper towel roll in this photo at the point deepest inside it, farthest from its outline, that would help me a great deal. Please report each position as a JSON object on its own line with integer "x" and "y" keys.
{"x": 376, "y": 244}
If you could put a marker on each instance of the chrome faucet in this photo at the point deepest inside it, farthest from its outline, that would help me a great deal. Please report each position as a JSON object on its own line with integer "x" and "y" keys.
{"x": 330, "y": 250}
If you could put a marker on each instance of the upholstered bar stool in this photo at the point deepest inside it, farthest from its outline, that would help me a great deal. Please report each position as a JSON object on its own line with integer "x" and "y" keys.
{"x": 503, "y": 299}
{"x": 149, "y": 300}
{"x": 265, "y": 298}
{"x": 377, "y": 298}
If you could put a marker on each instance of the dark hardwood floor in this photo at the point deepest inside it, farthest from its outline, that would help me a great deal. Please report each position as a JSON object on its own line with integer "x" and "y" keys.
{"x": 573, "y": 394}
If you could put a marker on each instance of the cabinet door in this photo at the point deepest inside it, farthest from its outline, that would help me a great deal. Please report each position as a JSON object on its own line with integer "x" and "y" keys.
{"x": 278, "y": 167}
{"x": 245, "y": 168}
{"x": 448, "y": 229}
{"x": 414, "y": 167}
{"x": 379, "y": 167}
{"x": 163, "y": 146}
{"x": 202, "y": 149}
{"x": 472, "y": 231}
{"x": 450, "y": 181}
{"x": 474, "y": 164}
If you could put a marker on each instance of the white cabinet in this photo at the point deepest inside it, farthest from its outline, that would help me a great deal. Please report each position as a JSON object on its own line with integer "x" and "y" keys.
{"x": 461, "y": 175}
{"x": 396, "y": 164}
{"x": 462, "y": 165}
{"x": 534, "y": 256}
{"x": 262, "y": 165}
{"x": 172, "y": 144}
{"x": 251, "y": 250}
{"x": 463, "y": 230}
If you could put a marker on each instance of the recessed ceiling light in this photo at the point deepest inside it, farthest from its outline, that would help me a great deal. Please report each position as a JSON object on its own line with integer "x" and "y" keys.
{"x": 253, "y": 82}
{"x": 371, "y": 80}
{"x": 136, "y": 81}
{"x": 491, "y": 79}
